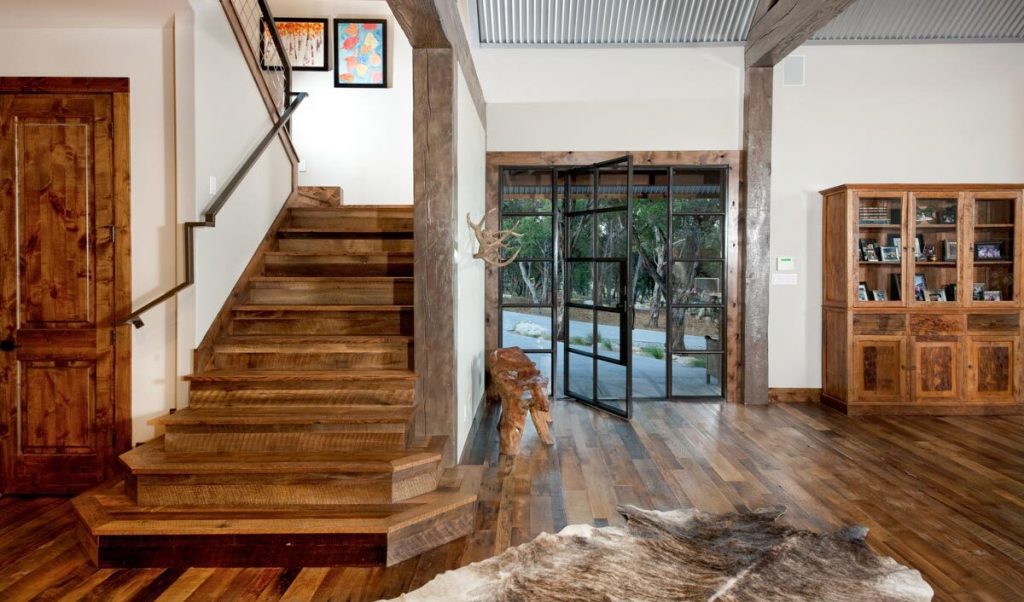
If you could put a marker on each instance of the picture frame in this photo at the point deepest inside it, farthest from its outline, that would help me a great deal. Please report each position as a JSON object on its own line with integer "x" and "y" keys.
{"x": 924, "y": 215}
{"x": 938, "y": 294}
{"x": 895, "y": 287}
{"x": 306, "y": 40}
{"x": 879, "y": 295}
{"x": 890, "y": 254}
{"x": 920, "y": 286}
{"x": 978, "y": 291}
{"x": 951, "y": 292}
{"x": 895, "y": 240}
{"x": 862, "y": 292}
{"x": 992, "y": 296}
{"x": 949, "y": 250}
{"x": 919, "y": 247}
{"x": 988, "y": 251}
{"x": 868, "y": 249}
{"x": 360, "y": 53}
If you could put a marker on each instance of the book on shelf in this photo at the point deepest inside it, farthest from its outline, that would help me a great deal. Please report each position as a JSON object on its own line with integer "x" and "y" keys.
{"x": 878, "y": 216}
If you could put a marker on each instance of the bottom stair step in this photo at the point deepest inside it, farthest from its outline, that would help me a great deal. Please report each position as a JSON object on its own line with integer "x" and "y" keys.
{"x": 318, "y": 478}
{"x": 116, "y": 533}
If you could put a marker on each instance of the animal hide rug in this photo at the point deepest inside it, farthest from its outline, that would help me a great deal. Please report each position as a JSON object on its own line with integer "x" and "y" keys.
{"x": 684, "y": 555}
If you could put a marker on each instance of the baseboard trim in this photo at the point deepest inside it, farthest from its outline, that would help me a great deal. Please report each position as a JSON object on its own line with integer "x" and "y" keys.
{"x": 473, "y": 429}
{"x": 794, "y": 395}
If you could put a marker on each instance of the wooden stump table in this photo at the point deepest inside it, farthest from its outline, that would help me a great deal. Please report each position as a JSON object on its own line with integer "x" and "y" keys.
{"x": 513, "y": 374}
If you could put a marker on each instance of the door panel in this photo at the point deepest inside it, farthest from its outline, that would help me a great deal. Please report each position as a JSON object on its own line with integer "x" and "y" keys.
{"x": 879, "y": 368}
{"x": 936, "y": 369}
{"x": 992, "y": 369}
{"x": 56, "y": 262}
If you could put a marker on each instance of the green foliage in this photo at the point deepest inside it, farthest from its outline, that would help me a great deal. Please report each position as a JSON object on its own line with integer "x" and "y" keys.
{"x": 655, "y": 351}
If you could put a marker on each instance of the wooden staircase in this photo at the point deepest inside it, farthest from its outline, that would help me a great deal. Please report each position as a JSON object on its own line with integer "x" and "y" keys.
{"x": 297, "y": 446}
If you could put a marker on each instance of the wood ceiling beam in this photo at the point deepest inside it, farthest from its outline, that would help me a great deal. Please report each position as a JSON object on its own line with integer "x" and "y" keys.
{"x": 780, "y": 26}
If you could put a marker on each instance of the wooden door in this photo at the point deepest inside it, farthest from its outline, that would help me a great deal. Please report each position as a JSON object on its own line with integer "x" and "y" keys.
{"x": 879, "y": 369}
{"x": 57, "y": 301}
{"x": 992, "y": 369}
{"x": 936, "y": 368}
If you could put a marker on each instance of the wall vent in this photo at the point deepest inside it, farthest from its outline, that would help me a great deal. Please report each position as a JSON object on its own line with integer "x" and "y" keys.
{"x": 793, "y": 70}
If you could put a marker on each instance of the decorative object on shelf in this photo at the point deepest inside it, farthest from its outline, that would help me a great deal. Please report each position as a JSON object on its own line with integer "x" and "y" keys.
{"x": 878, "y": 295}
{"x": 929, "y": 253}
{"x": 868, "y": 249}
{"x": 948, "y": 215}
{"x": 924, "y": 215}
{"x": 949, "y": 250}
{"x": 919, "y": 248}
{"x": 895, "y": 240}
{"x": 862, "y": 292}
{"x": 978, "y": 292}
{"x": 890, "y": 254}
{"x": 361, "y": 59}
{"x": 684, "y": 554}
{"x": 920, "y": 286}
{"x": 895, "y": 287}
{"x": 513, "y": 373}
{"x": 988, "y": 251}
{"x": 951, "y": 292}
{"x": 492, "y": 243}
{"x": 937, "y": 294}
{"x": 992, "y": 296}
{"x": 307, "y": 42}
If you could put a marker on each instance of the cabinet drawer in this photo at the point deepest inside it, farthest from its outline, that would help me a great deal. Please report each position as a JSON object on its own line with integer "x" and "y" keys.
{"x": 879, "y": 323}
{"x": 1000, "y": 323}
{"x": 936, "y": 324}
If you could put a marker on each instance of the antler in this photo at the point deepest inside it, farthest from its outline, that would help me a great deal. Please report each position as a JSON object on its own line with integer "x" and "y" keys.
{"x": 492, "y": 242}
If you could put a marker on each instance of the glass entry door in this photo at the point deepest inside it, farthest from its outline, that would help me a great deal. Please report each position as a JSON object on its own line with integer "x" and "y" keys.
{"x": 597, "y": 323}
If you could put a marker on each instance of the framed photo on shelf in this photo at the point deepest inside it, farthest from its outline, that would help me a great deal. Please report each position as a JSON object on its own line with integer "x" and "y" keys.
{"x": 920, "y": 286}
{"x": 868, "y": 249}
{"x": 992, "y": 296}
{"x": 890, "y": 254}
{"x": 895, "y": 240}
{"x": 937, "y": 294}
{"x": 988, "y": 251}
{"x": 919, "y": 247}
{"x": 978, "y": 291}
{"x": 949, "y": 250}
{"x": 895, "y": 287}
{"x": 862, "y": 292}
{"x": 924, "y": 215}
{"x": 951, "y": 292}
{"x": 878, "y": 295}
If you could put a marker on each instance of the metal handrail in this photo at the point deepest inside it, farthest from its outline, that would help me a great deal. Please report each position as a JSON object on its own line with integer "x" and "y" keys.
{"x": 281, "y": 54}
{"x": 210, "y": 215}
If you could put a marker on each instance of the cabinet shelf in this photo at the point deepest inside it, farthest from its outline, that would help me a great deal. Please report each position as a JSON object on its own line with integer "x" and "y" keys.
{"x": 904, "y": 356}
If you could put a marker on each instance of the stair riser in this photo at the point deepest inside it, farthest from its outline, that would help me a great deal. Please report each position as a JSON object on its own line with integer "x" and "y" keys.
{"x": 400, "y": 359}
{"x": 347, "y": 323}
{"x": 304, "y": 267}
{"x": 346, "y": 245}
{"x": 285, "y": 438}
{"x": 351, "y": 223}
{"x": 384, "y": 293}
{"x": 281, "y": 489}
{"x": 212, "y": 397}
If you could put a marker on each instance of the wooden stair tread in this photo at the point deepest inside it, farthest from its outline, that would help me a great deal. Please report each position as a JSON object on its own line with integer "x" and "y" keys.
{"x": 380, "y": 207}
{"x": 320, "y": 308}
{"x": 271, "y": 343}
{"x": 344, "y": 233}
{"x": 302, "y": 375}
{"x": 152, "y": 458}
{"x": 329, "y": 279}
{"x": 374, "y": 254}
{"x": 289, "y": 414}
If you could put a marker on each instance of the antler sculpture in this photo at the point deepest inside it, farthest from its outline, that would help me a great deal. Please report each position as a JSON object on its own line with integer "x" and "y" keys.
{"x": 492, "y": 242}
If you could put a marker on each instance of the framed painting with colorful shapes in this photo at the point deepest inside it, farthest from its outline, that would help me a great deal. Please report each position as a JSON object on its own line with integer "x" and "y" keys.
{"x": 306, "y": 42}
{"x": 361, "y": 59}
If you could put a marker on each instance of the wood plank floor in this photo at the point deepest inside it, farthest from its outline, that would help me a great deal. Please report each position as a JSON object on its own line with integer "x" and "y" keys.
{"x": 945, "y": 495}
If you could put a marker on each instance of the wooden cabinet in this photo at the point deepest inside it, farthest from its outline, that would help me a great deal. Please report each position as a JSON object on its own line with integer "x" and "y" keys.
{"x": 922, "y": 299}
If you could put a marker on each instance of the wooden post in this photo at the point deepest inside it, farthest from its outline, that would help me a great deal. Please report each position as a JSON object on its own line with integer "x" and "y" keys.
{"x": 757, "y": 140}
{"x": 434, "y": 165}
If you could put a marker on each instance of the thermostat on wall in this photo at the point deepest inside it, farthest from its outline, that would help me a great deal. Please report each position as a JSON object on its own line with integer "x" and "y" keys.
{"x": 783, "y": 264}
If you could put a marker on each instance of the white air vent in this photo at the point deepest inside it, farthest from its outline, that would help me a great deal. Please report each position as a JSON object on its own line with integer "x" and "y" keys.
{"x": 793, "y": 70}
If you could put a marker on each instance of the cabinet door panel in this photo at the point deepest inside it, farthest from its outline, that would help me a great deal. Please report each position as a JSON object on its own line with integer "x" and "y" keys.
{"x": 936, "y": 369}
{"x": 992, "y": 369}
{"x": 879, "y": 368}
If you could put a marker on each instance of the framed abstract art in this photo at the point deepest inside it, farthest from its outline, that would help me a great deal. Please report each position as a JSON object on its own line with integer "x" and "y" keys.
{"x": 360, "y": 59}
{"x": 306, "y": 42}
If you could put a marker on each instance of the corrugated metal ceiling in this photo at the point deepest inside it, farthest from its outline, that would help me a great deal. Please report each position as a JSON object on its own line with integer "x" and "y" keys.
{"x": 539, "y": 23}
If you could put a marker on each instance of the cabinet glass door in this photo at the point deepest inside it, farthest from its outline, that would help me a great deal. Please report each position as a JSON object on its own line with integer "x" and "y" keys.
{"x": 935, "y": 240}
{"x": 879, "y": 250}
{"x": 995, "y": 241}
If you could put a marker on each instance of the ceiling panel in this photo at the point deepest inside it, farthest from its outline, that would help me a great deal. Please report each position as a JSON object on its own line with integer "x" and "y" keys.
{"x": 927, "y": 20}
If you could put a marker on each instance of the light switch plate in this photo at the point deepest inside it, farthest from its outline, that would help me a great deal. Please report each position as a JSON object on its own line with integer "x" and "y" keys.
{"x": 784, "y": 264}
{"x": 213, "y": 184}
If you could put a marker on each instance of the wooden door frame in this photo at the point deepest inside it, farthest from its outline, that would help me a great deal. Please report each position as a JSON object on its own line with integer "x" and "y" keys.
{"x": 734, "y": 256}
{"x": 119, "y": 89}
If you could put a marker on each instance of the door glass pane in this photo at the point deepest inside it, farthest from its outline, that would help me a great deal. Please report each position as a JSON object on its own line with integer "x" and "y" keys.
{"x": 935, "y": 256}
{"x": 697, "y": 236}
{"x": 528, "y": 328}
{"x": 581, "y": 375}
{"x": 581, "y": 329}
{"x": 696, "y": 328}
{"x": 609, "y": 283}
{"x": 697, "y": 283}
{"x": 880, "y": 248}
{"x": 581, "y": 282}
{"x": 611, "y": 385}
{"x": 527, "y": 283}
{"x": 650, "y": 260}
{"x": 526, "y": 191}
{"x": 611, "y": 191}
{"x": 581, "y": 235}
{"x": 581, "y": 191}
{"x": 609, "y": 335}
{"x": 611, "y": 234}
{"x": 543, "y": 361}
{"x": 535, "y": 236}
{"x": 994, "y": 234}
{"x": 698, "y": 191}
{"x": 697, "y": 375}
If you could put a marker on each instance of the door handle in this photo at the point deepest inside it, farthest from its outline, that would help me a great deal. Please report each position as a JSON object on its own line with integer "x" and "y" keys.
{"x": 8, "y": 345}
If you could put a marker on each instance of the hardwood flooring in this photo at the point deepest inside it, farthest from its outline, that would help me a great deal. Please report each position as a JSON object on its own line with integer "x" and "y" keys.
{"x": 944, "y": 495}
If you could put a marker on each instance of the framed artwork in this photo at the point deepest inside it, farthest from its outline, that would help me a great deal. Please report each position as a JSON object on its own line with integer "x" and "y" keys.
{"x": 361, "y": 59}
{"x": 305, "y": 41}
{"x": 896, "y": 241}
{"x": 862, "y": 292}
{"x": 879, "y": 295}
{"x": 890, "y": 254}
{"x": 895, "y": 287}
{"x": 936, "y": 294}
{"x": 949, "y": 250}
{"x": 990, "y": 251}
{"x": 993, "y": 295}
{"x": 920, "y": 286}
{"x": 978, "y": 291}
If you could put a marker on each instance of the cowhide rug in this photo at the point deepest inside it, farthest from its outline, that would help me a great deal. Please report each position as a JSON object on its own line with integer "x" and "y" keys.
{"x": 684, "y": 555}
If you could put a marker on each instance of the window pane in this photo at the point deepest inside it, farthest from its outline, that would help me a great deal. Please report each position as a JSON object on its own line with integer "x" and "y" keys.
{"x": 697, "y": 375}
{"x": 697, "y": 236}
{"x": 581, "y": 329}
{"x": 543, "y": 361}
{"x": 611, "y": 234}
{"x": 609, "y": 334}
{"x": 611, "y": 385}
{"x": 581, "y": 282}
{"x": 527, "y": 282}
{"x": 581, "y": 235}
{"x": 535, "y": 240}
{"x": 526, "y": 191}
{"x": 696, "y": 328}
{"x": 528, "y": 328}
{"x": 612, "y": 187}
{"x": 581, "y": 375}
{"x": 697, "y": 282}
{"x": 698, "y": 191}
{"x": 609, "y": 282}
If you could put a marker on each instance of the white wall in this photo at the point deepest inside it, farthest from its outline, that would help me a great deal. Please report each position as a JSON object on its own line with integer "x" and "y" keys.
{"x": 356, "y": 138}
{"x": 612, "y": 99}
{"x": 918, "y": 113}
{"x": 145, "y": 56}
{"x": 471, "y": 143}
